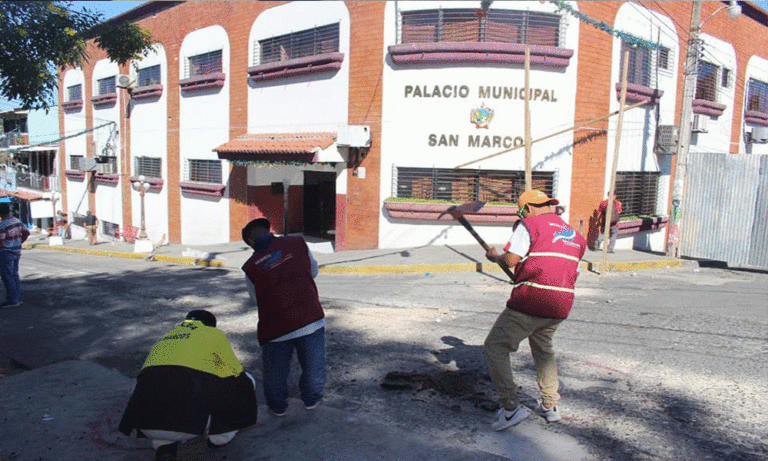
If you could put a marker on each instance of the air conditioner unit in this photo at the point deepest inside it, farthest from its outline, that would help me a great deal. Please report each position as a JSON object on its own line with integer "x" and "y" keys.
{"x": 86, "y": 164}
{"x": 667, "y": 137}
{"x": 354, "y": 136}
{"x": 125, "y": 81}
{"x": 106, "y": 168}
{"x": 700, "y": 123}
{"x": 759, "y": 135}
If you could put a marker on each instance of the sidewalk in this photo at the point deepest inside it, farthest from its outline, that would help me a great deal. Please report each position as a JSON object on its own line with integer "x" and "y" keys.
{"x": 434, "y": 258}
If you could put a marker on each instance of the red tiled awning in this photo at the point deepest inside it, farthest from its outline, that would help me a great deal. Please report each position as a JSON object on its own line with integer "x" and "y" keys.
{"x": 277, "y": 147}
{"x": 20, "y": 194}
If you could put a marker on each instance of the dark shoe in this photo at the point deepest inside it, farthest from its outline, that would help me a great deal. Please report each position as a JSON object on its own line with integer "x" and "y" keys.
{"x": 8, "y": 305}
{"x": 167, "y": 452}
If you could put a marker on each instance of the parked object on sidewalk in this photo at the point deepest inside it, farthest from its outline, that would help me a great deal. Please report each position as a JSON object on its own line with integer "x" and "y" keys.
{"x": 191, "y": 385}
{"x": 280, "y": 279}
{"x": 13, "y": 233}
{"x": 545, "y": 252}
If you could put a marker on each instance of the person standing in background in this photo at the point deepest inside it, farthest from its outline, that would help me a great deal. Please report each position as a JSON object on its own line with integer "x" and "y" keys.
{"x": 91, "y": 224}
{"x": 13, "y": 233}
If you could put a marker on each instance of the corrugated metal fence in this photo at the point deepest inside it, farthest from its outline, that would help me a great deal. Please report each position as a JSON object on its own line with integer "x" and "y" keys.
{"x": 726, "y": 209}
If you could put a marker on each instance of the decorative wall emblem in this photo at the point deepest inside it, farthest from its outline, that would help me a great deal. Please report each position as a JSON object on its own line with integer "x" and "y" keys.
{"x": 481, "y": 117}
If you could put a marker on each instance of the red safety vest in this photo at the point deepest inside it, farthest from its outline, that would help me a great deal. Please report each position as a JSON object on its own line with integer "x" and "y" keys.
{"x": 545, "y": 278}
{"x": 285, "y": 291}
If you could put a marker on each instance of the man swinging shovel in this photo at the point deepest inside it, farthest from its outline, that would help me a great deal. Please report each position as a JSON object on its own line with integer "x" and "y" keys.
{"x": 458, "y": 212}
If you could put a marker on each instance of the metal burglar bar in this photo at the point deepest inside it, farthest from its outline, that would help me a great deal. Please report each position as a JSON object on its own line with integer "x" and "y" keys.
{"x": 467, "y": 185}
{"x": 148, "y": 166}
{"x": 208, "y": 171}
{"x": 74, "y": 92}
{"x": 74, "y": 162}
{"x": 706, "y": 81}
{"x": 310, "y": 42}
{"x": 203, "y": 64}
{"x": 477, "y": 25}
{"x": 757, "y": 98}
{"x": 637, "y": 192}
{"x": 107, "y": 85}
{"x": 149, "y": 76}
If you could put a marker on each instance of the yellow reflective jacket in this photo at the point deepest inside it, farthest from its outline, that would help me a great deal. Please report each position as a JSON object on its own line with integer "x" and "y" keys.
{"x": 196, "y": 346}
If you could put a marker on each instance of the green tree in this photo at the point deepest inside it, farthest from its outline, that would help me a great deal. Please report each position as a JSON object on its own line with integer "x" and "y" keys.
{"x": 37, "y": 37}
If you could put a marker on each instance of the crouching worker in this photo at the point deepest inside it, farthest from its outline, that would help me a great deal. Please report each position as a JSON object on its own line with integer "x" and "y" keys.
{"x": 190, "y": 385}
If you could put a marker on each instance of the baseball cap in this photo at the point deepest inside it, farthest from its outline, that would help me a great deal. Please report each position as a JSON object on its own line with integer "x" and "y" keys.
{"x": 535, "y": 197}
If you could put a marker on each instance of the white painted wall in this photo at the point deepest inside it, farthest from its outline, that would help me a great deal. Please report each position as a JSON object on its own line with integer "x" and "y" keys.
{"x": 757, "y": 68}
{"x": 74, "y": 122}
{"x": 149, "y": 137}
{"x": 204, "y": 125}
{"x": 639, "y": 124}
{"x": 718, "y": 137}
{"x": 317, "y": 102}
{"x": 407, "y": 123}
{"x": 109, "y": 198}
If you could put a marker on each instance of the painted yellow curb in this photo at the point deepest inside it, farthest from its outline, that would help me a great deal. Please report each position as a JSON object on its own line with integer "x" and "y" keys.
{"x": 131, "y": 255}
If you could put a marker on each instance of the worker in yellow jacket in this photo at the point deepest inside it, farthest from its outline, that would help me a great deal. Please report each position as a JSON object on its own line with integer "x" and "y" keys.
{"x": 190, "y": 385}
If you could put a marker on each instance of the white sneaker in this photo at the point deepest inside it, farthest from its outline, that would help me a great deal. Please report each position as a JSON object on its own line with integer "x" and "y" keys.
{"x": 508, "y": 418}
{"x": 551, "y": 414}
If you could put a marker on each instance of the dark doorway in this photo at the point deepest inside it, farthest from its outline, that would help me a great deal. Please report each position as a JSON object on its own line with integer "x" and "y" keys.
{"x": 320, "y": 204}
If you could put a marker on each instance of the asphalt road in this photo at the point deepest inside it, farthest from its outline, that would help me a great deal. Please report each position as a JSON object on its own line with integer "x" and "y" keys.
{"x": 662, "y": 364}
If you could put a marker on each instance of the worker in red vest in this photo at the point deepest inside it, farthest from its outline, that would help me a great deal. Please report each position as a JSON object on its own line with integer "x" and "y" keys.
{"x": 280, "y": 278}
{"x": 614, "y": 228}
{"x": 544, "y": 253}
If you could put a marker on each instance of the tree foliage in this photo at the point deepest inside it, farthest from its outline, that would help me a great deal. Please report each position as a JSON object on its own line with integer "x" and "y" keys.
{"x": 38, "y": 37}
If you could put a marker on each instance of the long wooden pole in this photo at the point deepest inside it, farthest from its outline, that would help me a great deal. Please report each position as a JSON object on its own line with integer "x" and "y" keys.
{"x": 528, "y": 174}
{"x": 614, "y": 166}
{"x": 581, "y": 125}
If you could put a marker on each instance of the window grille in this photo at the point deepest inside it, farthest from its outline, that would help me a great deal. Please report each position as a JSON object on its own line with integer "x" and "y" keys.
{"x": 725, "y": 78}
{"x": 310, "y": 42}
{"x": 203, "y": 64}
{"x": 706, "y": 81}
{"x": 148, "y": 166}
{"x": 149, "y": 76}
{"x": 639, "y": 69}
{"x": 74, "y": 92}
{"x": 110, "y": 228}
{"x": 477, "y": 25}
{"x": 207, "y": 171}
{"x": 466, "y": 185}
{"x": 663, "y": 58}
{"x": 637, "y": 191}
{"x": 757, "y": 98}
{"x": 74, "y": 162}
{"x": 78, "y": 219}
{"x": 107, "y": 85}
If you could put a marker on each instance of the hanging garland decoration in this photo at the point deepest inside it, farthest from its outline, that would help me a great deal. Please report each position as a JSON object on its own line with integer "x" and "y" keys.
{"x": 268, "y": 164}
{"x": 563, "y": 6}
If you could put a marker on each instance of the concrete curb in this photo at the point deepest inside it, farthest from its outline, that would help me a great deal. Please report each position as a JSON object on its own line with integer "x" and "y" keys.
{"x": 330, "y": 268}
{"x": 131, "y": 255}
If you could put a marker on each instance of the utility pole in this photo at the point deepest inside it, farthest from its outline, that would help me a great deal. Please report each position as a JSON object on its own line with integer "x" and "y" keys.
{"x": 674, "y": 237}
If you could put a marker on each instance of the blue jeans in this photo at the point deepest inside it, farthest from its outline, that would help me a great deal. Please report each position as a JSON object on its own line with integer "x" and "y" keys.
{"x": 276, "y": 363}
{"x": 9, "y": 271}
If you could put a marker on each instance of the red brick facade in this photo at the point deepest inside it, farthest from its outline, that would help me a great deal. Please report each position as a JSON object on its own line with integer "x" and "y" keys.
{"x": 358, "y": 211}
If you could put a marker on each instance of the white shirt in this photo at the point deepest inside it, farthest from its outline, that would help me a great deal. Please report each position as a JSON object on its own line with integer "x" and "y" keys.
{"x": 519, "y": 242}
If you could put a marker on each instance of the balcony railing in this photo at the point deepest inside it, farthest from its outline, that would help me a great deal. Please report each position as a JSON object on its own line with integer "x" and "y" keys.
{"x": 14, "y": 139}
{"x": 42, "y": 183}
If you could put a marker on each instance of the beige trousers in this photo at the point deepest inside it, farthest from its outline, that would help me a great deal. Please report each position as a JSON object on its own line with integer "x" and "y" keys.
{"x": 504, "y": 338}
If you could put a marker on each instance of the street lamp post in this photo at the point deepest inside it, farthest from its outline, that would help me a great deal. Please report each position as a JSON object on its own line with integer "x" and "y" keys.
{"x": 142, "y": 186}
{"x": 674, "y": 238}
